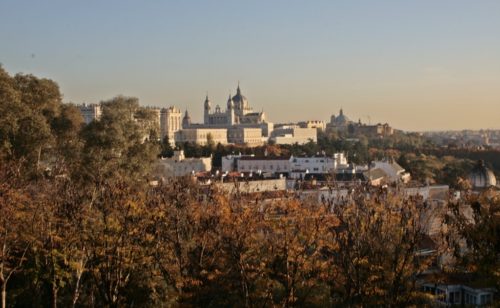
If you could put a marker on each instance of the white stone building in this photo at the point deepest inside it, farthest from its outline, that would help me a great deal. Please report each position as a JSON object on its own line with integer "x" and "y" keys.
{"x": 202, "y": 135}
{"x": 241, "y": 122}
{"x": 245, "y": 135}
{"x": 263, "y": 165}
{"x": 291, "y": 134}
{"x": 319, "y": 125}
{"x": 179, "y": 165}
{"x": 170, "y": 123}
{"x": 90, "y": 112}
{"x": 386, "y": 172}
{"x": 316, "y": 164}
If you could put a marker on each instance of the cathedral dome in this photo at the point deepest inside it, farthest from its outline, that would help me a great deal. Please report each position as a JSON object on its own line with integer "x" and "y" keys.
{"x": 239, "y": 100}
{"x": 482, "y": 177}
{"x": 341, "y": 120}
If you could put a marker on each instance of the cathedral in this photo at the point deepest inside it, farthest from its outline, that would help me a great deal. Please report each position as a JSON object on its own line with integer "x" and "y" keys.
{"x": 238, "y": 112}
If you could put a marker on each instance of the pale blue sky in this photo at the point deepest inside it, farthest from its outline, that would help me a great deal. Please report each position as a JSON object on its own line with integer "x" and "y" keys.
{"x": 418, "y": 65}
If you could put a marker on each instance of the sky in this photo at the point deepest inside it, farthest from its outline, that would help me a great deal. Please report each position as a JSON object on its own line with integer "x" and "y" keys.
{"x": 417, "y": 65}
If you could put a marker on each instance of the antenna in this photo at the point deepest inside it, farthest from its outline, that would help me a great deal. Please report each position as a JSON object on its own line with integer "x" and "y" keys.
{"x": 369, "y": 120}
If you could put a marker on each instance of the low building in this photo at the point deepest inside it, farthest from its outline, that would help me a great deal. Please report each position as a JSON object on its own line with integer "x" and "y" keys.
{"x": 245, "y": 135}
{"x": 319, "y": 125}
{"x": 373, "y": 130}
{"x": 386, "y": 172}
{"x": 263, "y": 165}
{"x": 301, "y": 166}
{"x": 291, "y": 134}
{"x": 253, "y": 186}
{"x": 179, "y": 165}
{"x": 201, "y": 136}
{"x": 460, "y": 290}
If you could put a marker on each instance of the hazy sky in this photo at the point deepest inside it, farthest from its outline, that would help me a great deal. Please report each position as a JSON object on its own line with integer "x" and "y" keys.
{"x": 419, "y": 65}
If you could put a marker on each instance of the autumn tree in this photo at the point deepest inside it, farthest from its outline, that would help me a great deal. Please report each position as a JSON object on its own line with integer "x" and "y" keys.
{"x": 473, "y": 234}
{"x": 374, "y": 250}
{"x": 17, "y": 216}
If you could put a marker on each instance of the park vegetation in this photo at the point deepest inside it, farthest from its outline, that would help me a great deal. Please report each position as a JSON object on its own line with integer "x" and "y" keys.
{"x": 80, "y": 224}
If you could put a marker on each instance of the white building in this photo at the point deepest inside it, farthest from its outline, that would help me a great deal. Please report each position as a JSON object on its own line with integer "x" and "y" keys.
{"x": 294, "y": 166}
{"x": 201, "y": 135}
{"x": 316, "y": 164}
{"x": 319, "y": 125}
{"x": 170, "y": 123}
{"x": 388, "y": 172}
{"x": 238, "y": 118}
{"x": 90, "y": 112}
{"x": 291, "y": 134}
{"x": 245, "y": 135}
{"x": 179, "y": 165}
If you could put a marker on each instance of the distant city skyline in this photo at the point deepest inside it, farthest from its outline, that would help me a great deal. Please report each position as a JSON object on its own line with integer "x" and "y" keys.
{"x": 419, "y": 66}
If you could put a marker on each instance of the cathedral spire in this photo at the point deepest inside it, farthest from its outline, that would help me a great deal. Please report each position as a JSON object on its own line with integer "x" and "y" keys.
{"x": 238, "y": 91}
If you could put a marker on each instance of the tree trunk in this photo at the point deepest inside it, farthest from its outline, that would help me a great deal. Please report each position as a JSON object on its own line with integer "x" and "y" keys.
{"x": 76, "y": 293}
{"x": 4, "y": 295}
{"x": 54, "y": 296}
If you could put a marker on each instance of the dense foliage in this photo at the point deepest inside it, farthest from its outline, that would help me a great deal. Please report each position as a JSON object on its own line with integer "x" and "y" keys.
{"x": 81, "y": 226}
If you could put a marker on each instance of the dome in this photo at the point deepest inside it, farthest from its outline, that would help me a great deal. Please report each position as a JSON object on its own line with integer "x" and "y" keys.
{"x": 239, "y": 100}
{"x": 482, "y": 177}
{"x": 341, "y": 120}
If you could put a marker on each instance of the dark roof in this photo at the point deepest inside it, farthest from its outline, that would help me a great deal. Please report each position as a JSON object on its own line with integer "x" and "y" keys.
{"x": 264, "y": 158}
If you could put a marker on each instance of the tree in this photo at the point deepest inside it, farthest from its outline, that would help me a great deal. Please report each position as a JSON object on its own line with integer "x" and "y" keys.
{"x": 374, "y": 251}
{"x": 474, "y": 234}
{"x": 115, "y": 147}
{"x": 17, "y": 215}
{"x": 166, "y": 148}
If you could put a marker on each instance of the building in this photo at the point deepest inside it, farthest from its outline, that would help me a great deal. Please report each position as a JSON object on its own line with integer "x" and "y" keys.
{"x": 386, "y": 172}
{"x": 249, "y": 186}
{"x": 238, "y": 111}
{"x": 460, "y": 290}
{"x": 319, "y": 125}
{"x": 263, "y": 165}
{"x": 90, "y": 112}
{"x": 291, "y": 134}
{"x": 241, "y": 122}
{"x": 245, "y": 135}
{"x": 373, "y": 130}
{"x": 342, "y": 123}
{"x": 201, "y": 136}
{"x": 339, "y": 123}
{"x": 300, "y": 167}
{"x": 179, "y": 165}
{"x": 294, "y": 167}
{"x": 170, "y": 123}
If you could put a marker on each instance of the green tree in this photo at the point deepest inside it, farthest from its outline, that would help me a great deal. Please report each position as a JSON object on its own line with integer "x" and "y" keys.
{"x": 116, "y": 146}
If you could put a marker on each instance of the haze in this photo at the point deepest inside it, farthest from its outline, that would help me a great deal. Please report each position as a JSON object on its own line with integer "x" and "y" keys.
{"x": 419, "y": 65}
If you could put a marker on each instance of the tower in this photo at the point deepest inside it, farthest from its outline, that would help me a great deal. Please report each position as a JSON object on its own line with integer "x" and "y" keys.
{"x": 186, "y": 121}
{"x": 207, "y": 108}
{"x": 230, "y": 111}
